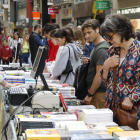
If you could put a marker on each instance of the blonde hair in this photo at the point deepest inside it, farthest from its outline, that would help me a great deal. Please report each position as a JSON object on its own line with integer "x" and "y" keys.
{"x": 24, "y": 39}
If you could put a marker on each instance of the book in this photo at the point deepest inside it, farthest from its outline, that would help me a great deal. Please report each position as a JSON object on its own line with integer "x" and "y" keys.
{"x": 104, "y": 135}
{"x": 47, "y": 134}
{"x": 126, "y": 134}
{"x": 62, "y": 124}
{"x": 97, "y": 115}
{"x": 69, "y": 117}
{"x": 96, "y": 127}
{"x": 129, "y": 138}
{"x": 85, "y": 136}
{"x": 77, "y": 128}
{"x": 114, "y": 129}
{"x": 126, "y": 128}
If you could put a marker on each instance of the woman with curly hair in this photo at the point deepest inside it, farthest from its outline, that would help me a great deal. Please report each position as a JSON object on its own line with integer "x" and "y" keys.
{"x": 79, "y": 41}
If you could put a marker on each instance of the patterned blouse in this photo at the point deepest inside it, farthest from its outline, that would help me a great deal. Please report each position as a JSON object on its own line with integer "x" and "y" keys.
{"x": 127, "y": 77}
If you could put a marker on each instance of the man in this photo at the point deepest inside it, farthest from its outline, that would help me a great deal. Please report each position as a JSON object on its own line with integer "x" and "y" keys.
{"x": 52, "y": 47}
{"x": 71, "y": 26}
{"x": 35, "y": 41}
{"x": 3, "y": 37}
{"x": 96, "y": 90}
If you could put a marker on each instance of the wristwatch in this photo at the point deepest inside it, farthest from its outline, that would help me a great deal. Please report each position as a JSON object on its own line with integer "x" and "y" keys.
{"x": 90, "y": 95}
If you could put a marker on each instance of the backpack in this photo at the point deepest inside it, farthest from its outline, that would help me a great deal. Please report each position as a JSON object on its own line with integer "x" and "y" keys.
{"x": 80, "y": 84}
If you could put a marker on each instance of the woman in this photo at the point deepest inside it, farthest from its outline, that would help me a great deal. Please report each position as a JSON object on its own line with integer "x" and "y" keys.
{"x": 15, "y": 42}
{"x": 118, "y": 30}
{"x": 25, "y": 49}
{"x": 10, "y": 40}
{"x": 80, "y": 42}
{"x": 63, "y": 38}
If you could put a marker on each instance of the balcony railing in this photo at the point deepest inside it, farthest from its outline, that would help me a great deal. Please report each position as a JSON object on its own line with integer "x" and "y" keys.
{"x": 58, "y": 2}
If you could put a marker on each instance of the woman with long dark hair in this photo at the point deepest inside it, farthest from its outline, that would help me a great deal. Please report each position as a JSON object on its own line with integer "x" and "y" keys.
{"x": 70, "y": 50}
{"x": 17, "y": 39}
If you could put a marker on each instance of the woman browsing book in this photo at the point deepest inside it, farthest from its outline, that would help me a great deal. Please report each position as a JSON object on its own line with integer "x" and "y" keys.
{"x": 70, "y": 50}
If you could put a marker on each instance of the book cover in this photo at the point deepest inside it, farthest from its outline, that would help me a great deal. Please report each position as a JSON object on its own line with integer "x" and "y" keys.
{"x": 126, "y": 134}
{"x": 114, "y": 129}
{"x": 85, "y": 136}
{"x": 97, "y": 127}
{"x": 47, "y": 134}
{"x": 126, "y": 128}
{"x": 77, "y": 128}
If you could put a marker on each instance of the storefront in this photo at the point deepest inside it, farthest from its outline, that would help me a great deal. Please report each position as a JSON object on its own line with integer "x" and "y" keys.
{"x": 80, "y": 15}
{"x": 64, "y": 16}
{"x": 21, "y": 17}
{"x": 133, "y": 13}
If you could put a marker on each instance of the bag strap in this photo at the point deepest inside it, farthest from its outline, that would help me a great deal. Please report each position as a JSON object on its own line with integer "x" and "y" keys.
{"x": 114, "y": 72}
{"x": 68, "y": 73}
{"x": 97, "y": 48}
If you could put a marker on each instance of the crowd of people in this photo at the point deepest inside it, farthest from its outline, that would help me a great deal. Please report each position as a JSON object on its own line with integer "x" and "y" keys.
{"x": 89, "y": 44}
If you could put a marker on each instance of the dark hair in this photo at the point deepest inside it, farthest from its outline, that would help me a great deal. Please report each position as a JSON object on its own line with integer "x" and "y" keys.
{"x": 5, "y": 39}
{"x": 36, "y": 26}
{"x": 68, "y": 29}
{"x": 118, "y": 24}
{"x": 78, "y": 35}
{"x": 56, "y": 25}
{"x": 93, "y": 23}
{"x": 63, "y": 33}
{"x": 52, "y": 33}
{"x": 138, "y": 35}
{"x": 48, "y": 28}
{"x": 17, "y": 34}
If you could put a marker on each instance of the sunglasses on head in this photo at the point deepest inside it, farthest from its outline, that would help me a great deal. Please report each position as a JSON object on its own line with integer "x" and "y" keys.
{"x": 108, "y": 36}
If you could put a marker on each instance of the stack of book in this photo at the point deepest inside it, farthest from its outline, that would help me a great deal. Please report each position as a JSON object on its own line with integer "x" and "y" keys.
{"x": 97, "y": 115}
{"x": 67, "y": 91}
{"x": 77, "y": 110}
{"x": 47, "y": 134}
{"x": 77, "y": 128}
{"x": 64, "y": 117}
{"x": 14, "y": 73}
{"x": 15, "y": 79}
{"x": 92, "y": 136}
{"x": 34, "y": 123}
{"x": 128, "y": 134}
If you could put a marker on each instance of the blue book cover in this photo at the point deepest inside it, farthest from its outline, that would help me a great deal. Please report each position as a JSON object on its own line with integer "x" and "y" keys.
{"x": 85, "y": 136}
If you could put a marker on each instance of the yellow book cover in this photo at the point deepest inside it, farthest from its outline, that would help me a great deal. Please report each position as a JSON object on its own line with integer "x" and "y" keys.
{"x": 127, "y": 133}
{"x": 42, "y": 134}
{"x": 114, "y": 129}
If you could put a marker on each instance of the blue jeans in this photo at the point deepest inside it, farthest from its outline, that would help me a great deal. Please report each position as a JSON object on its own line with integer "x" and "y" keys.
{"x": 25, "y": 57}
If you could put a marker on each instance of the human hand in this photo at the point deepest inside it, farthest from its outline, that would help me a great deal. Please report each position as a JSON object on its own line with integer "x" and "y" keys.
{"x": 111, "y": 62}
{"x": 86, "y": 60}
{"x": 139, "y": 124}
{"x": 127, "y": 104}
{"x": 87, "y": 100}
{"x": 16, "y": 84}
{"x": 6, "y": 58}
{"x": 45, "y": 70}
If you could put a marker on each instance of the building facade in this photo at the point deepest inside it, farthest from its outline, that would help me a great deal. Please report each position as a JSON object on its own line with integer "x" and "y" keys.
{"x": 130, "y": 9}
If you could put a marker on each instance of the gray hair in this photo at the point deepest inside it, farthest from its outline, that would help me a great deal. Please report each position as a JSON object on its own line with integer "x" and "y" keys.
{"x": 70, "y": 24}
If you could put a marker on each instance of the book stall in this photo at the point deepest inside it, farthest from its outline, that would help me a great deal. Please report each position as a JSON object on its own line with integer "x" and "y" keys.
{"x": 30, "y": 112}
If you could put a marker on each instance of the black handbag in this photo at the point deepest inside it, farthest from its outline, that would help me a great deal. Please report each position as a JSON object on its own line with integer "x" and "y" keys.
{"x": 69, "y": 67}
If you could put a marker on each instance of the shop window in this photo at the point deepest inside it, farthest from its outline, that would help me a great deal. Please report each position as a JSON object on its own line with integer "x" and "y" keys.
{"x": 66, "y": 21}
{"x": 21, "y": 9}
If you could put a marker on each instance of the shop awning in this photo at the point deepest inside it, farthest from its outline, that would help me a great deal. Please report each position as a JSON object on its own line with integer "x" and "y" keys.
{"x": 62, "y": 4}
{"x": 4, "y": 6}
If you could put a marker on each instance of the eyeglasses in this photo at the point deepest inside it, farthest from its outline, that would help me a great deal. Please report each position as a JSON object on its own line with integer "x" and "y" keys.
{"x": 108, "y": 37}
